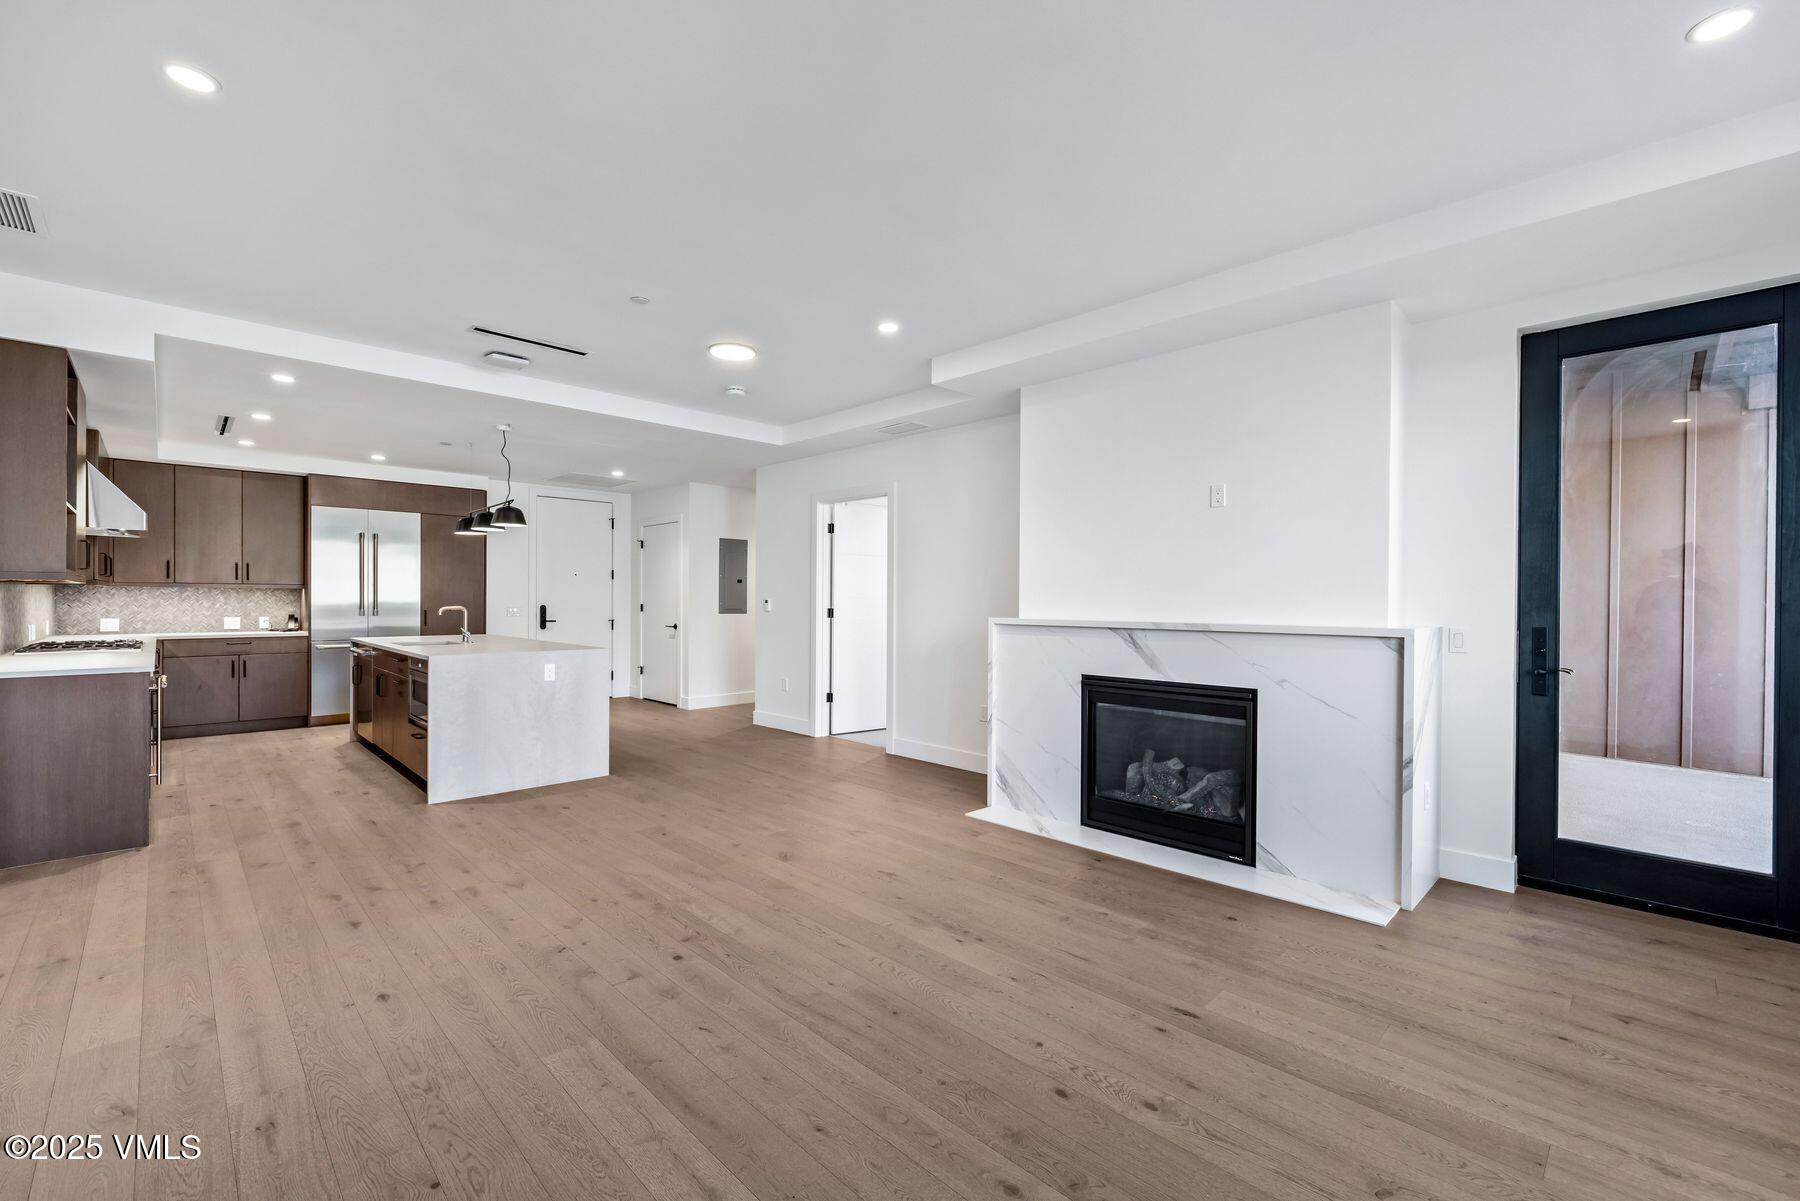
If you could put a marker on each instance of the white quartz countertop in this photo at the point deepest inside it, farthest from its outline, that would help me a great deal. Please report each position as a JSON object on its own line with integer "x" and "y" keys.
{"x": 453, "y": 647}
{"x": 1222, "y": 627}
{"x": 15, "y": 666}
{"x": 234, "y": 634}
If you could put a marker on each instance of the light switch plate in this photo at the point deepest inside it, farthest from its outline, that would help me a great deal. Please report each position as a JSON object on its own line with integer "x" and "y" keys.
{"x": 109, "y": 625}
{"x": 1459, "y": 642}
{"x": 549, "y": 672}
{"x": 232, "y": 623}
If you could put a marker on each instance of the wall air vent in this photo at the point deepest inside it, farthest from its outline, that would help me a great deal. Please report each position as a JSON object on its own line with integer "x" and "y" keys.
{"x": 901, "y": 427}
{"x": 576, "y": 479}
{"x": 15, "y": 212}
{"x": 222, "y": 424}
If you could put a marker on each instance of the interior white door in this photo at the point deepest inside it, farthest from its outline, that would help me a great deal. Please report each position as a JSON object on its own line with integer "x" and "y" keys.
{"x": 662, "y": 612}
{"x": 859, "y": 615}
{"x": 574, "y": 570}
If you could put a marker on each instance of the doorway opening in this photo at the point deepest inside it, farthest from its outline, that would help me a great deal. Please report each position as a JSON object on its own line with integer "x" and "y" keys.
{"x": 660, "y": 625}
{"x": 854, "y": 619}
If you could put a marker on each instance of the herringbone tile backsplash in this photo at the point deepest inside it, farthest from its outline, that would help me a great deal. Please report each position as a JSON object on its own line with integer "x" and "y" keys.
{"x": 21, "y": 607}
{"x": 177, "y": 609}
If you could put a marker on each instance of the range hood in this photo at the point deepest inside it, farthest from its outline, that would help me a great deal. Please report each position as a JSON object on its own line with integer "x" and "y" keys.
{"x": 110, "y": 513}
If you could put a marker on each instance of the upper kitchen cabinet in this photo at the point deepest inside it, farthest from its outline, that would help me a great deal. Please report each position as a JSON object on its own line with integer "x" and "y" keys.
{"x": 42, "y": 445}
{"x": 452, "y": 571}
{"x": 239, "y": 527}
{"x": 209, "y": 526}
{"x": 274, "y": 528}
{"x": 150, "y": 557}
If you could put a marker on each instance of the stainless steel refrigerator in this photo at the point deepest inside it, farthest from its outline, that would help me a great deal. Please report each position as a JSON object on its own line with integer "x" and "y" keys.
{"x": 363, "y": 581}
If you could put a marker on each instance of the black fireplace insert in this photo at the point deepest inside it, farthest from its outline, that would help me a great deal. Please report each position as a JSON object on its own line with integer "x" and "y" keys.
{"x": 1170, "y": 763}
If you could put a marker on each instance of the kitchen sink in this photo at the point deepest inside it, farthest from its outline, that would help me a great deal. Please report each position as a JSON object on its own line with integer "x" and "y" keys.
{"x": 423, "y": 641}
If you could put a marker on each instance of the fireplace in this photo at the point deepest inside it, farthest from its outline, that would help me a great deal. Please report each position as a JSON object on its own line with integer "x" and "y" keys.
{"x": 1170, "y": 763}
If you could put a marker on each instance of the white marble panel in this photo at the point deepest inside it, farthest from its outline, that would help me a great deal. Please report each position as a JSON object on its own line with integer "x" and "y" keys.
{"x": 1337, "y": 747}
{"x": 498, "y": 726}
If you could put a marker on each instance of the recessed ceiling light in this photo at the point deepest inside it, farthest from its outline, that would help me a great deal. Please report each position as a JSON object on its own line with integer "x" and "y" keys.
{"x": 281, "y": 377}
{"x": 191, "y": 78}
{"x": 1721, "y": 25}
{"x": 737, "y": 390}
{"x": 731, "y": 352}
{"x": 379, "y": 458}
{"x": 640, "y": 300}
{"x": 618, "y": 475}
{"x": 888, "y": 327}
{"x": 1679, "y": 420}
{"x": 245, "y": 442}
{"x": 261, "y": 417}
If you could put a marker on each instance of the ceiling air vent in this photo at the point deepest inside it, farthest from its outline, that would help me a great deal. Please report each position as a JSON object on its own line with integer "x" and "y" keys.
{"x": 576, "y": 479}
{"x": 222, "y": 424}
{"x": 901, "y": 427}
{"x": 15, "y": 211}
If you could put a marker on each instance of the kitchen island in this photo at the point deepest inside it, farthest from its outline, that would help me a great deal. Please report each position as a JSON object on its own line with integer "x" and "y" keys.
{"x": 490, "y": 715}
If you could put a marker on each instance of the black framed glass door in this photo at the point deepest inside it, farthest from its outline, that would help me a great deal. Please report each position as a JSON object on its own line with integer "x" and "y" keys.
{"x": 1659, "y": 610}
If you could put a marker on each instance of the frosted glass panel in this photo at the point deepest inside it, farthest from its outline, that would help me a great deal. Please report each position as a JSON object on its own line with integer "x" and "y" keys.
{"x": 1666, "y": 605}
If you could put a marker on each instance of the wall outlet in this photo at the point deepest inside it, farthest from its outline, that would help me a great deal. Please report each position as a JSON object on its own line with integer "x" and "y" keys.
{"x": 31, "y": 636}
{"x": 549, "y": 672}
{"x": 109, "y": 625}
{"x": 1215, "y": 496}
{"x": 232, "y": 623}
{"x": 262, "y": 623}
{"x": 1459, "y": 642}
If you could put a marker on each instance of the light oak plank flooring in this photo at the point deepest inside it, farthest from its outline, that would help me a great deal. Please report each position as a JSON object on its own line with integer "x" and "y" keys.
{"x": 757, "y": 967}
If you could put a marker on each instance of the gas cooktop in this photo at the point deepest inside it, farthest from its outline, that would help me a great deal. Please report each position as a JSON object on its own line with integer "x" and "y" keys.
{"x": 85, "y": 644}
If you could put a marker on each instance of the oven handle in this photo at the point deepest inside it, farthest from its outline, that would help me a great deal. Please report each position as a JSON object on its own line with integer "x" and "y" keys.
{"x": 157, "y": 684}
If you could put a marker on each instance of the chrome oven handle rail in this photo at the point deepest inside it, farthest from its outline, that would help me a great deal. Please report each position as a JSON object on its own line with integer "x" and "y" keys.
{"x": 158, "y": 682}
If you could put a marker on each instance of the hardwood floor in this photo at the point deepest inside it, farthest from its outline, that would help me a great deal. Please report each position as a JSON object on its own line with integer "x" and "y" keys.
{"x": 752, "y": 965}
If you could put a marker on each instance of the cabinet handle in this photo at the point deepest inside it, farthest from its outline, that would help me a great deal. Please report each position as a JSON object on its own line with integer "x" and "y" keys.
{"x": 377, "y": 683}
{"x": 234, "y": 571}
{"x": 87, "y": 554}
{"x": 246, "y": 571}
{"x": 234, "y": 669}
{"x": 166, "y": 565}
{"x": 246, "y": 670}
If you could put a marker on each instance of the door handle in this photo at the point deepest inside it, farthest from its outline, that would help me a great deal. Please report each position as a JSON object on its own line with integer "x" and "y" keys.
{"x": 544, "y": 618}
{"x": 676, "y": 627}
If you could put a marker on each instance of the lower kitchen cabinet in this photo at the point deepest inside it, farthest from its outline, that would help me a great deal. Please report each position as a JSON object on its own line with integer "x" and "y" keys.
{"x": 224, "y": 686}
{"x": 392, "y": 730}
{"x": 75, "y": 760}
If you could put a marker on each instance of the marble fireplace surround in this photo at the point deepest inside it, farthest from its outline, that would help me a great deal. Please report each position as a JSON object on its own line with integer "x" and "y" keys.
{"x": 1347, "y": 734}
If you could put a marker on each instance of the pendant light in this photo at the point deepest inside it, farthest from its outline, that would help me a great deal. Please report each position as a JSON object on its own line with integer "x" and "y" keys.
{"x": 466, "y": 523}
{"x": 508, "y": 516}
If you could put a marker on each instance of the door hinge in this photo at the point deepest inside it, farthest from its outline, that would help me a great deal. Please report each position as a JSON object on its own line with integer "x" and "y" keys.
{"x": 640, "y": 544}
{"x": 640, "y": 669}
{"x": 640, "y": 608}
{"x": 830, "y": 613}
{"x": 612, "y": 523}
{"x": 610, "y": 625}
{"x": 831, "y": 527}
{"x": 612, "y": 575}
{"x": 611, "y": 675}
{"x": 827, "y": 698}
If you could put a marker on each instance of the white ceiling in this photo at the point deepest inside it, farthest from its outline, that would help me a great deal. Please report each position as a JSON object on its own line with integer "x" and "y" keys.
{"x": 785, "y": 173}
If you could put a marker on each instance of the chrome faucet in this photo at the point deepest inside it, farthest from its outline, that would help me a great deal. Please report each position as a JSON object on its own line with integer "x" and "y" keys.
{"x": 466, "y": 636}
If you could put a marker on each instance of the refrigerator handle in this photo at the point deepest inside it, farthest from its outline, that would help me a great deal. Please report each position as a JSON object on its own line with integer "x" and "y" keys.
{"x": 375, "y": 571}
{"x": 361, "y": 609}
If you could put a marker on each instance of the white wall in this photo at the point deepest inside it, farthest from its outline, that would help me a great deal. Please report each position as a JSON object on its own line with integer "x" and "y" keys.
{"x": 1461, "y": 523}
{"x": 512, "y": 574}
{"x": 718, "y": 650}
{"x": 1300, "y": 423}
{"x": 955, "y": 497}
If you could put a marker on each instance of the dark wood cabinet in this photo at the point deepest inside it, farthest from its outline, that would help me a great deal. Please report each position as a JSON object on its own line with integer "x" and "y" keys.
{"x": 150, "y": 557}
{"x": 209, "y": 526}
{"x": 74, "y": 766}
{"x": 271, "y": 686}
{"x": 227, "y": 685}
{"x": 202, "y": 690}
{"x": 274, "y": 528}
{"x": 452, "y": 571}
{"x": 42, "y": 443}
{"x": 390, "y": 710}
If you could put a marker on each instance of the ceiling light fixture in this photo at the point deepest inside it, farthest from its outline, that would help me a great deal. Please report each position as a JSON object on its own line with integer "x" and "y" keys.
{"x": 731, "y": 352}
{"x": 191, "y": 78}
{"x": 245, "y": 442}
{"x": 512, "y": 362}
{"x": 737, "y": 390}
{"x": 379, "y": 458}
{"x": 508, "y": 516}
{"x": 888, "y": 327}
{"x": 618, "y": 475}
{"x": 640, "y": 300}
{"x": 281, "y": 377}
{"x": 1721, "y": 25}
{"x": 261, "y": 417}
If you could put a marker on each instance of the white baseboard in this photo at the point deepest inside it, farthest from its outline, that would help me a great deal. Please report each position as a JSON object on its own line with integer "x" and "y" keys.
{"x": 780, "y": 721}
{"x": 718, "y": 700}
{"x": 946, "y": 756}
{"x": 1484, "y": 871}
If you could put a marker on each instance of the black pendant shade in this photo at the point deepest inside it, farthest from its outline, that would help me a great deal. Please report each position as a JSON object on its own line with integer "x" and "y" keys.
{"x": 508, "y": 516}
{"x": 484, "y": 522}
{"x": 466, "y": 525}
